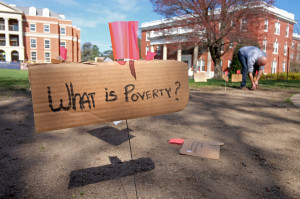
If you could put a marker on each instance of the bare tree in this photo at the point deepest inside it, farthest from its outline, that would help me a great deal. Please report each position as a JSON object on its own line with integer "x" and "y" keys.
{"x": 215, "y": 23}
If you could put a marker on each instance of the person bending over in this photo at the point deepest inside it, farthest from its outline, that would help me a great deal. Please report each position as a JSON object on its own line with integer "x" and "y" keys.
{"x": 252, "y": 59}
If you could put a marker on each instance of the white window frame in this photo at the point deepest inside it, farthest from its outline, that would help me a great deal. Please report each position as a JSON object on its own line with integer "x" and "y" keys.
{"x": 287, "y": 30}
{"x": 293, "y": 44}
{"x": 221, "y": 63}
{"x": 63, "y": 27}
{"x": 285, "y": 49}
{"x": 35, "y": 55}
{"x": 244, "y": 22}
{"x": 274, "y": 66}
{"x": 147, "y": 36}
{"x": 147, "y": 49}
{"x": 266, "y": 25}
{"x": 63, "y": 45}
{"x": 277, "y": 28}
{"x": 32, "y": 43}
{"x": 298, "y": 47}
{"x": 45, "y": 59}
{"x": 45, "y": 29}
{"x": 292, "y": 55}
{"x": 265, "y": 45}
{"x": 283, "y": 66}
{"x": 275, "y": 47}
{"x": 45, "y": 45}
{"x": 34, "y": 27}
{"x": 201, "y": 64}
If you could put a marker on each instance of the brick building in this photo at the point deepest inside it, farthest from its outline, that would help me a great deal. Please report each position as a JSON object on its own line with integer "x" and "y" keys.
{"x": 35, "y": 35}
{"x": 274, "y": 36}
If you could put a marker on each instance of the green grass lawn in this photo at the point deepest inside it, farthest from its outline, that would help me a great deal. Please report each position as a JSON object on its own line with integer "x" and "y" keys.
{"x": 18, "y": 79}
{"x": 14, "y": 79}
{"x": 270, "y": 84}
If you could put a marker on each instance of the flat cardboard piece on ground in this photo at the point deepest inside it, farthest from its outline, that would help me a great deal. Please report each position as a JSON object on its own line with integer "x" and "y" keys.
{"x": 200, "y": 77}
{"x": 225, "y": 77}
{"x": 236, "y": 78}
{"x": 202, "y": 149}
{"x": 75, "y": 94}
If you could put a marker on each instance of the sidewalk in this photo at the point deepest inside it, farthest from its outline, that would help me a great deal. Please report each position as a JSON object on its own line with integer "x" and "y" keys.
{"x": 296, "y": 100}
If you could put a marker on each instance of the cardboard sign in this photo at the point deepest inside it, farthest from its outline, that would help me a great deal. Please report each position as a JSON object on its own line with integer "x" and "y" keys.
{"x": 200, "y": 77}
{"x": 236, "y": 78}
{"x": 225, "y": 77}
{"x": 202, "y": 149}
{"x": 76, "y": 94}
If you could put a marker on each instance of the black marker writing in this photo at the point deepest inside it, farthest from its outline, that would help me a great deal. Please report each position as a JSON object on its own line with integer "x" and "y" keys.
{"x": 85, "y": 98}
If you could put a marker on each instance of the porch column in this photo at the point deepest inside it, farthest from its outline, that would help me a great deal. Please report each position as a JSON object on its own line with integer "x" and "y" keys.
{"x": 179, "y": 52}
{"x": 20, "y": 32}
{"x": 196, "y": 49}
{"x": 152, "y": 49}
{"x": 165, "y": 52}
{"x": 208, "y": 72}
{"x": 6, "y": 32}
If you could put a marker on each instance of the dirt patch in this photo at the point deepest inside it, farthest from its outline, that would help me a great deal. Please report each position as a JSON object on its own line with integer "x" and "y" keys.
{"x": 260, "y": 157}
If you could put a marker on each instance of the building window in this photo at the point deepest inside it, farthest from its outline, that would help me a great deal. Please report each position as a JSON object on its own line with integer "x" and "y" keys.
{"x": 32, "y": 27}
{"x": 62, "y": 30}
{"x": 293, "y": 44}
{"x": 201, "y": 65}
{"x": 232, "y": 23}
{"x": 287, "y": 30}
{"x": 47, "y": 43}
{"x": 298, "y": 47}
{"x": 63, "y": 44}
{"x": 275, "y": 47}
{"x": 46, "y": 12}
{"x": 266, "y": 25}
{"x": 147, "y": 49}
{"x": 265, "y": 45}
{"x": 32, "y": 43}
{"x": 285, "y": 48}
{"x": 231, "y": 44}
{"x": 229, "y": 63}
{"x": 274, "y": 66}
{"x": 222, "y": 46}
{"x": 46, "y": 28}
{"x": 47, "y": 57}
{"x": 298, "y": 57}
{"x": 32, "y": 11}
{"x": 147, "y": 36}
{"x": 277, "y": 28}
{"x": 244, "y": 25}
{"x": 283, "y": 66}
{"x": 33, "y": 56}
{"x": 221, "y": 63}
{"x": 292, "y": 55}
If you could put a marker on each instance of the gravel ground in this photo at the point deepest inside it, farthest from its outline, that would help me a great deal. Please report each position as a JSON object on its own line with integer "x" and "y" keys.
{"x": 260, "y": 157}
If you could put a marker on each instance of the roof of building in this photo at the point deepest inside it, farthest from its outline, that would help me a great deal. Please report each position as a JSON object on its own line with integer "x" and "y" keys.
{"x": 296, "y": 36}
{"x": 165, "y": 22}
{"x": 39, "y": 12}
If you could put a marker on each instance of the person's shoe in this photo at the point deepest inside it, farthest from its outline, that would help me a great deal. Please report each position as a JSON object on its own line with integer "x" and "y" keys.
{"x": 244, "y": 88}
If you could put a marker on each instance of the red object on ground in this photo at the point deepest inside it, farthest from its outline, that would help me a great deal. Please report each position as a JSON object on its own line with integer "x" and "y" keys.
{"x": 238, "y": 72}
{"x": 150, "y": 55}
{"x": 176, "y": 141}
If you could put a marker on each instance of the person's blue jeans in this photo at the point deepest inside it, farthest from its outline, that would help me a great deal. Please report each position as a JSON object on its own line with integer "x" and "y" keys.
{"x": 243, "y": 61}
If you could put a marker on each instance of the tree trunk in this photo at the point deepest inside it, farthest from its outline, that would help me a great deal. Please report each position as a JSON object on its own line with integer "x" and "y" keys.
{"x": 217, "y": 69}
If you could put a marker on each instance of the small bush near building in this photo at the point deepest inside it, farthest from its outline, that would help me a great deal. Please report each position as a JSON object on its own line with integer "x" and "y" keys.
{"x": 280, "y": 76}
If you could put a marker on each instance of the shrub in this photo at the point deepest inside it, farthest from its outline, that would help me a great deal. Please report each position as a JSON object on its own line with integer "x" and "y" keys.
{"x": 280, "y": 76}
